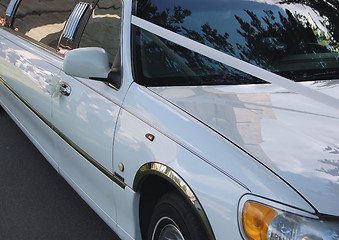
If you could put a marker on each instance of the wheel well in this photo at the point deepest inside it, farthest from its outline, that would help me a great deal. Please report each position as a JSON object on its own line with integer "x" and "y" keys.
{"x": 152, "y": 182}
{"x": 152, "y": 189}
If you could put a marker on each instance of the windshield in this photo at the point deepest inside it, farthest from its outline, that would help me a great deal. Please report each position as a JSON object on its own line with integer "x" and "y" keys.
{"x": 297, "y": 39}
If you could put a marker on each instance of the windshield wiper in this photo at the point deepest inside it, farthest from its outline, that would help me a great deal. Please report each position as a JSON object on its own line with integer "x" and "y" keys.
{"x": 326, "y": 75}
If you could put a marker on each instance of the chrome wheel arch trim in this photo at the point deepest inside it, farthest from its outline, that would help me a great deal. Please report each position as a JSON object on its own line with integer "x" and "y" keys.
{"x": 167, "y": 173}
{"x": 74, "y": 19}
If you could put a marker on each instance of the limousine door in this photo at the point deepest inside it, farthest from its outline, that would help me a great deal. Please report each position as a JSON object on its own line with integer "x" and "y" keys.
{"x": 28, "y": 78}
{"x": 72, "y": 118}
{"x": 86, "y": 111}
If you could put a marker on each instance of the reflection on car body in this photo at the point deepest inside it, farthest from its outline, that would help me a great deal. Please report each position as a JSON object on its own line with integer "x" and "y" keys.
{"x": 172, "y": 124}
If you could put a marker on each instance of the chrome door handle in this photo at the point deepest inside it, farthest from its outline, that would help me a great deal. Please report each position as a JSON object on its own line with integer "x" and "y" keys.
{"x": 65, "y": 89}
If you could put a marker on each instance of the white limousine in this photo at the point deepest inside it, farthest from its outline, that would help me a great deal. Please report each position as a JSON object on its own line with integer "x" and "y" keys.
{"x": 188, "y": 119}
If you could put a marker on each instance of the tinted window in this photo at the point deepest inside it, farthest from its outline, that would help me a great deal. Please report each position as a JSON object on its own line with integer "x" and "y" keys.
{"x": 103, "y": 28}
{"x": 297, "y": 39}
{"x": 160, "y": 62}
{"x": 43, "y": 20}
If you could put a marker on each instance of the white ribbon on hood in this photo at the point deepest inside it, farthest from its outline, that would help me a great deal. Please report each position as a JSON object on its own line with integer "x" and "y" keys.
{"x": 235, "y": 62}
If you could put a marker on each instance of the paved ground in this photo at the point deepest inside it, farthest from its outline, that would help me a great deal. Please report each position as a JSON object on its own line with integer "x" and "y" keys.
{"x": 35, "y": 202}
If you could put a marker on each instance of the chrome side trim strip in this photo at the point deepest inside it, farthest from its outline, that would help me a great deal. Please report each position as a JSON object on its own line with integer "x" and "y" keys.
{"x": 95, "y": 163}
{"x": 74, "y": 19}
{"x": 172, "y": 177}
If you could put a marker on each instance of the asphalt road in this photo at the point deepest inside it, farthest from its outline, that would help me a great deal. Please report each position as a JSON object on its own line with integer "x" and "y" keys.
{"x": 35, "y": 201}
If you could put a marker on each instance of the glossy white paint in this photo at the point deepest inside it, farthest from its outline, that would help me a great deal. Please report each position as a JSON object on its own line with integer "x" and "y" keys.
{"x": 87, "y": 63}
{"x": 224, "y": 142}
{"x": 87, "y": 118}
{"x": 36, "y": 130}
{"x": 295, "y": 136}
{"x": 127, "y": 207}
{"x": 186, "y": 145}
{"x": 31, "y": 75}
{"x": 89, "y": 182}
{"x": 73, "y": 167}
{"x": 19, "y": 72}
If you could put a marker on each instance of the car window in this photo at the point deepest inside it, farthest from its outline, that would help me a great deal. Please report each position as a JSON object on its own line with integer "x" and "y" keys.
{"x": 3, "y": 7}
{"x": 160, "y": 62}
{"x": 103, "y": 28}
{"x": 296, "y": 39}
{"x": 43, "y": 20}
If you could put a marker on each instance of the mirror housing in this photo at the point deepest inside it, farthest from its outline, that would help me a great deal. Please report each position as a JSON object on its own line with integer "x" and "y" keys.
{"x": 91, "y": 63}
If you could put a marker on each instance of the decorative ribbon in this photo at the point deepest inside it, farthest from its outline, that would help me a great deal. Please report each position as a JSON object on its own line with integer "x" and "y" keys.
{"x": 236, "y": 63}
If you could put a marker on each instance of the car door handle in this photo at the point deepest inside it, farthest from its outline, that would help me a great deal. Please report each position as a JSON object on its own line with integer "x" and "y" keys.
{"x": 65, "y": 89}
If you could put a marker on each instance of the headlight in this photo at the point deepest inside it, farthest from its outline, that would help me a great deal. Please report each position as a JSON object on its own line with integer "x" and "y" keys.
{"x": 265, "y": 220}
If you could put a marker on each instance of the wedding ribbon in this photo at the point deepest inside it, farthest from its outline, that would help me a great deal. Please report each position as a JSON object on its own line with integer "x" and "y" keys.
{"x": 235, "y": 62}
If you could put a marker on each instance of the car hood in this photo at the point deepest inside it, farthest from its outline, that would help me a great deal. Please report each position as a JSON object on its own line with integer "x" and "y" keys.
{"x": 295, "y": 136}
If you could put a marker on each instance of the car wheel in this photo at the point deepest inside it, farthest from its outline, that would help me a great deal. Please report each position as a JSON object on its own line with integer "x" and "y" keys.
{"x": 174, "y": 219}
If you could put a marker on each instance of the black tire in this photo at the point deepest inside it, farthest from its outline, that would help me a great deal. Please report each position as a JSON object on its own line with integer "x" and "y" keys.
{"x": 175, "y": 218}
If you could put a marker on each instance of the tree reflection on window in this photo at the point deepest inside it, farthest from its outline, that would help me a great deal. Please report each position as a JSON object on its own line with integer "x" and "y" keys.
{"x": 297, "y": 43}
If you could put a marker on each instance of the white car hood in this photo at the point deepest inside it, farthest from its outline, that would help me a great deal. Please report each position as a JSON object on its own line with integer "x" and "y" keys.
{"x": 296, "y": 136}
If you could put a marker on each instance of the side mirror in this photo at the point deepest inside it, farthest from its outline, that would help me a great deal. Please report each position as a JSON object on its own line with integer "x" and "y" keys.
{"x": 91, "y": 63}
